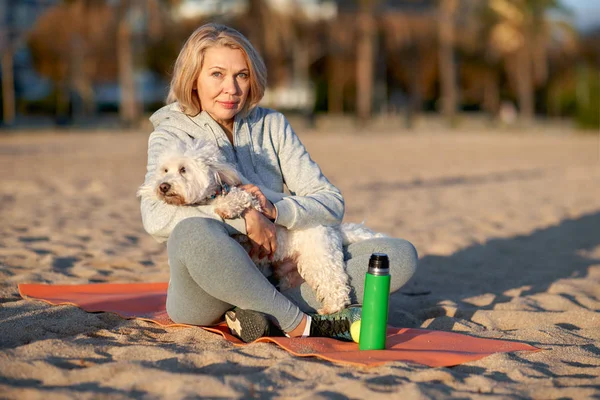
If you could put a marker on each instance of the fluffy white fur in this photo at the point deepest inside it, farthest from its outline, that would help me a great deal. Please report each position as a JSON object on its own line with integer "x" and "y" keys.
{"x": 189, "y": 175}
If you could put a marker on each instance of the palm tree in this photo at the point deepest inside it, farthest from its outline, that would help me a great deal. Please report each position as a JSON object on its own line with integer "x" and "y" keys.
{"x": 156, "y": 21}
{"x": 289, "y": 41}
{"x": 340, "y": 60}
{"x": 284, "y": 38}
{"x": 481, "y": 66}
{"x": 522, "y": 34}
{"x": 80, "y": 42}
{"x": 68, "y": 48}
{"x": 410, "y": 43}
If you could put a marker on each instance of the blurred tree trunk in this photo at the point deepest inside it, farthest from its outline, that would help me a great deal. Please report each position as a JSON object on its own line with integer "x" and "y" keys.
{"x": 63, "y": 102}
{"x": 300, "y": 62}
{"x": 447, "y": 64}
{"x": 364, "y": 60}
{"x": 416, "y": 87}
{"x": 8, "y": 87}
{"x": 491, "y": 94}
{"x": 524, "y": 80}
{"x": 335, "y": 86}
{"x": 7, "y": 47}
{"x": 254, "y": 18}
{"x": 128, "y": 110}
{"x": 79, "y": 81}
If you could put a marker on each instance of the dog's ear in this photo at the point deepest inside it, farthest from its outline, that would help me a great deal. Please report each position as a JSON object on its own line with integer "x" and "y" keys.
{"x": 209, "y": 154}
{"x": 226, "y": 173}
{"x": 146, "y": 190}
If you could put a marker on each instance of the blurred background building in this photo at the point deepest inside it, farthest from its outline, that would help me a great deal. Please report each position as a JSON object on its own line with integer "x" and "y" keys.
{"x": 512, "y": 61}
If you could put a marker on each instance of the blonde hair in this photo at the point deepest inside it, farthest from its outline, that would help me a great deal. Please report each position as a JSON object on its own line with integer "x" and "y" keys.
{"x": 191, "y": 58}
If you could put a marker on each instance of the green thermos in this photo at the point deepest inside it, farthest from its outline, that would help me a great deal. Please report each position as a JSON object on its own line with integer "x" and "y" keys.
{"x": 374, "y": 316}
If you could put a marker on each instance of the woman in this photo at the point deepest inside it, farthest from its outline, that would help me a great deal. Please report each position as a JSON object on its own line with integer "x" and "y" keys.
{"x": 218, "y": 80}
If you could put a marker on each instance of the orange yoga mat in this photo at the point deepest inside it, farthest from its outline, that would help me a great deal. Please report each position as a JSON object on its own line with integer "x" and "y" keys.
{"x": 147, "y": 301}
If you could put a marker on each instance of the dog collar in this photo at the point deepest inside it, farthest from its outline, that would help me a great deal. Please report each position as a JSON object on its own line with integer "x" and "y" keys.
{"x": 221, "y": 191}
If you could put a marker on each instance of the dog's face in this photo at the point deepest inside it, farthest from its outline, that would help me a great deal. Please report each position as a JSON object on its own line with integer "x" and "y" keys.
{"x": 182, "y": 180}
{"x": 189, "y": 175}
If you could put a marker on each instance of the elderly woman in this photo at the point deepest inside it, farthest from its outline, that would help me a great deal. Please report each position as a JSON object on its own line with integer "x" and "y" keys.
{"x": 217, "y": 83}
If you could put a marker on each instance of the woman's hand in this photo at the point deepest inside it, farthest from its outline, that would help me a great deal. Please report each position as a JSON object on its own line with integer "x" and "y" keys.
{"x": 261, "y": 233}
{"x": 268, "y": 208}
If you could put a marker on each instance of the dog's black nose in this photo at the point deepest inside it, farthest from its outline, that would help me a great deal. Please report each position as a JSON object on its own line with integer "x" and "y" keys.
{"x": 164, "y": 187}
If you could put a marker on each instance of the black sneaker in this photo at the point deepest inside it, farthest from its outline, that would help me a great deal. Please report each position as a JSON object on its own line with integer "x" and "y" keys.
{"x": 249, "y": 325}
{"x": 337, "y": 325}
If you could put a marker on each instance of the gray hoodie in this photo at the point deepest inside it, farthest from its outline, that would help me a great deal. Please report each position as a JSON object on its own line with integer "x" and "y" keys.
{"x": 268, "y": 154}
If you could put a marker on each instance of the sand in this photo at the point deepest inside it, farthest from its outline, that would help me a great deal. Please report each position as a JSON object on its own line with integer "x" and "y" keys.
{"x": 507, "y": 225}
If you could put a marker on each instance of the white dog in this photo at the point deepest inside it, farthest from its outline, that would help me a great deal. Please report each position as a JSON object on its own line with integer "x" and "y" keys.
{"x": 199, "y": 174}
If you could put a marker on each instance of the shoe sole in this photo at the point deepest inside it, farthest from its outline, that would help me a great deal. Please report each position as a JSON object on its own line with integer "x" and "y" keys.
{"x": 246, "y": 325}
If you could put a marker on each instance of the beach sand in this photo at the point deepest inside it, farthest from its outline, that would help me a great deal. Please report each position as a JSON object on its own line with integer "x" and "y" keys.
{"x": 507, "y": 226}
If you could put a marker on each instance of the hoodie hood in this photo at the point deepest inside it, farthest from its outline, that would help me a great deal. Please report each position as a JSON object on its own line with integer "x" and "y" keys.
{"x": 172, "y": 119}
{"x": 170, "y": 114}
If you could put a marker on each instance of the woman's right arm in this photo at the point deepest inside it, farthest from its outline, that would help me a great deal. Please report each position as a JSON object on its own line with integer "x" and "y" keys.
{"x": 158, "y": 217}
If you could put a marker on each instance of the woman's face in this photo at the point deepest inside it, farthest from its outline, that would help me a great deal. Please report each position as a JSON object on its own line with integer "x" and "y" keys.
{"x": 223, "y": 83}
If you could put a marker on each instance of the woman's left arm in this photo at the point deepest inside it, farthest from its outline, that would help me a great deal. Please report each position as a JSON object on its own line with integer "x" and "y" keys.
{"x": 314, "y": 200}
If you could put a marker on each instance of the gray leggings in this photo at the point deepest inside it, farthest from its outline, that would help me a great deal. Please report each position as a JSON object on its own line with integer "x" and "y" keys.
{"x": 211, "y": 272}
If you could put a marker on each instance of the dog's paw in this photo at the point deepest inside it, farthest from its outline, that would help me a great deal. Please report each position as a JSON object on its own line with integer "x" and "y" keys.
{"x": 224, "y": 213}
{"x": 332, "y": 305}
{"x": 329, "y": 310}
